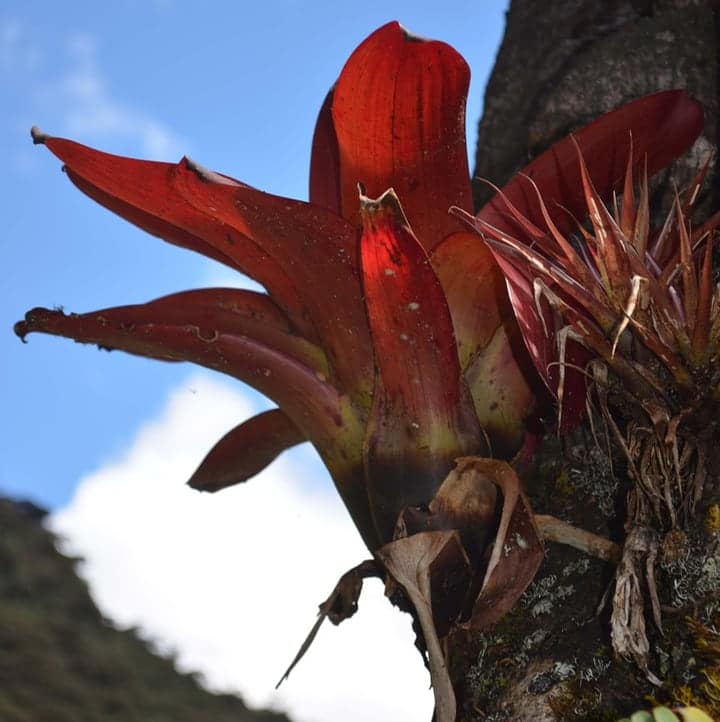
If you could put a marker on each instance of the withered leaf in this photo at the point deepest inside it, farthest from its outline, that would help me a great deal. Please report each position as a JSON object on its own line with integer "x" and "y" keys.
{"x": 627, "y": 622}
{"x": 418, "y": 564}
{"x": 339, "y": 606}
{"x": 518, "y": 550}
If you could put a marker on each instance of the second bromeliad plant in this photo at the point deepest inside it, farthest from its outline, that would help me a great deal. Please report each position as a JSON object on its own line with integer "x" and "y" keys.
{"x": 393, "y": 348}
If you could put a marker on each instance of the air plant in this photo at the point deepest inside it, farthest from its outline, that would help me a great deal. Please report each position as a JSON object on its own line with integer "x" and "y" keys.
{"x": 385, "y": 334}
{"x": 639, "y": 307}
{"x": 641, "y": 303}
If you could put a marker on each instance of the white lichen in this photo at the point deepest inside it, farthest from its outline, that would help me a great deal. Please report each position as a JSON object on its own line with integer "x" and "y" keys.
{"x": 544, "y": 606}
{"x": 563, "y": 670}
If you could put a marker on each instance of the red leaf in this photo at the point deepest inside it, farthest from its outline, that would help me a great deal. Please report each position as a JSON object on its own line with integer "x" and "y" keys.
{"x": 313, "y": 246}
{"x": 144, "y": 193}
{"x": 246, "y": 450}
{"x": 325, "y": 162}
{"x": 422, "y": 415}
{"x": 703, "y": 322}
{"x": 488, "y": 339}
{"x": 231, "y": 309}
{"x": 264, "y": 357}
{"x": 399, "y": 116}
{"x": 662, "y": 126}
{"x": 475, "y": 291}
{"x": 257, "y": 351}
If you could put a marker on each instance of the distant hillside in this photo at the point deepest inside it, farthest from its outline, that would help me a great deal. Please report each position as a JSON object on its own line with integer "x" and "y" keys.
{"x": 61, "y": 662}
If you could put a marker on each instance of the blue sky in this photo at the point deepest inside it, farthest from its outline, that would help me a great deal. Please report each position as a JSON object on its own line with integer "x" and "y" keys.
{"x": 236, "y": 85}
{"x": 106, "y": 440}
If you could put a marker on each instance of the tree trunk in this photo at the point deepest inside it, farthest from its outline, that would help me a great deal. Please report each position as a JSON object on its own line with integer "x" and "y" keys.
{"x": 561, "y": 65}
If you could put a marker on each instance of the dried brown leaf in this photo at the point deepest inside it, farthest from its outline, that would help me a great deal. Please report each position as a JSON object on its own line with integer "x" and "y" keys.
{"x": 339, "y": 606}
{"x": 627, "y": 623}
{"x": 517, "y": 551}
{"x": 417, "y": 563}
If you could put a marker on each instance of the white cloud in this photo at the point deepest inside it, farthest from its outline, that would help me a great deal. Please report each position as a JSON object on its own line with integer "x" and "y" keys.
{"x": 17, "y": 55}
{"x": 60, "y": 82}
{"x": 231, "y": 581}
{"x": 91, "y": 109}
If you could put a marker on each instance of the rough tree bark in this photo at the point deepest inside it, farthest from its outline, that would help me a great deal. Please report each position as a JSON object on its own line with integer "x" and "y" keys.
{"x": 561, "y": 65}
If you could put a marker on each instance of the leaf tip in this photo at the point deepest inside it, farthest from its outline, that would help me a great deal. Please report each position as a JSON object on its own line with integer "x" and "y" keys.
{"x": 37, "y": 135}
{"x": 199, "y": 170}
{"x": 409, "y": 35}
{"x": 373, "y": 211}
{"x": 200, "y": 485}
{"x": 32, "y": 322}
{"x": 21, "y": 330}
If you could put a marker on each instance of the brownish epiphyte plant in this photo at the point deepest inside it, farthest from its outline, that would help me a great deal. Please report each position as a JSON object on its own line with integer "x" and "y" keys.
{"x": 631, "y": 312}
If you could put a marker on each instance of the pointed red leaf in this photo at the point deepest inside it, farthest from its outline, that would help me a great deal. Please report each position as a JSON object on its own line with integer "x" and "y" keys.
{"x": 263, "y": 357}
{"x": 662, "y": 125}
{"x": 628, "y": 216}
{"x": 399, "y": 116}
{"x": 232, "y": 311}
{"x": 703, "y": 323}
{"x": 246, "y": 450}
{"x": 313, "y": 246}
{"x": 228, "y": 308}
{"x": 612, "y": 252}
{"x": 422, "y": 415}
{"x": 325, "y": 161}
{"x": 144, "y": 193}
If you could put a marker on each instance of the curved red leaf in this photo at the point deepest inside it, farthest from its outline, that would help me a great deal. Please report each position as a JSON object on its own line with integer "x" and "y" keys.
{"x": 228, "y": 308}
{"x": 231, "y": 311}
{"x": 264, "y": 357}
{"x": 144, "y": 193}
{"x": 325, "y": 188}
{"x": 399, "y": 117}
{"x": 422, "y": 415}
{"x": 662, "y": 127}
{"x": 246, "y": 450}
{"x": 316, "y": 248}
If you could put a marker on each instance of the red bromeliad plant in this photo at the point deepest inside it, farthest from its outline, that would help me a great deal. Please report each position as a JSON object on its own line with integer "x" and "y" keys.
{"x": 392, "y": 365}
{"x": 390, "y": 344}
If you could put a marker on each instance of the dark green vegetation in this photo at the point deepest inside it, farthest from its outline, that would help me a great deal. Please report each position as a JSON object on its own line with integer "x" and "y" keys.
{"x": 60, "y": 661}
